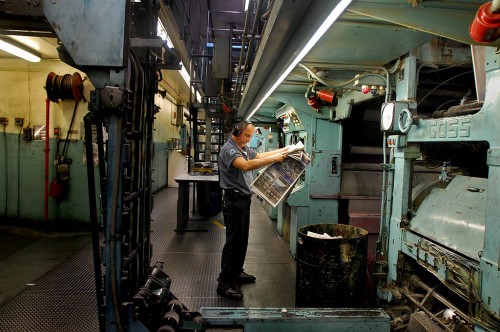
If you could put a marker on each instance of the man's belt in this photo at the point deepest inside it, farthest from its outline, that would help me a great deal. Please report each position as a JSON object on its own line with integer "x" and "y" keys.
{"x": 234, "y": 192}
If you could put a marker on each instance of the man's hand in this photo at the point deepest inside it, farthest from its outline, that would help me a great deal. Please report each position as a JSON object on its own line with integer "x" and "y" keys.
{"x": 279, "y": 157}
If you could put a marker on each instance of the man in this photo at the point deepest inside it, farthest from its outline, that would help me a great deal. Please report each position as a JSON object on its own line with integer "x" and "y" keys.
{"x": 236, "y": 161}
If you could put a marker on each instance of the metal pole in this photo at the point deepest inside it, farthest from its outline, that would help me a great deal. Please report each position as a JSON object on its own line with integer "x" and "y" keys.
{"x": 47, "y": 150}
{"x": 88, "y": 119}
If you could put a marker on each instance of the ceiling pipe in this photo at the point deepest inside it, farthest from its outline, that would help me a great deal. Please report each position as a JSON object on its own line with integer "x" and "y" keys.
{"x": 226, "y": 29}
{"x": 243, "y": 42}
{"x": 266, "y": 15}
{"x": 313, "y": 74}
{"x": 237, "y": 90}
{"x": 209, "y": 12}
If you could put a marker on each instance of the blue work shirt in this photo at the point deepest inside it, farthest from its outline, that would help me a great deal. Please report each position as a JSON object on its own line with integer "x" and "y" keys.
{"x": 231, "y": 177}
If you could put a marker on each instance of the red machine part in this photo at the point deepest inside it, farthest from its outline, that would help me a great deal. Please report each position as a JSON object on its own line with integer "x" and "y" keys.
{"x": 486, "y": 25}
{"x": 325, "y": 95}
{"x": 226, "y": 108}
{"x": 314, "y": 103}
{"x": 77, "y": 87}
{"x": 315, "y": 98}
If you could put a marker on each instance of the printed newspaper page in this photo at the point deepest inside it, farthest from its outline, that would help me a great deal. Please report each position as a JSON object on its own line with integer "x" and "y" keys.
{"x": 278, "y": 179}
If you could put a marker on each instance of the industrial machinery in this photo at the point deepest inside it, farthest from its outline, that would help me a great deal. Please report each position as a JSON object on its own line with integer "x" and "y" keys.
{"x": 132, "y": 294}
{"x": 438, "y": 250}
{"x": 314, "y": 199}
{"x": 432, "y": 184}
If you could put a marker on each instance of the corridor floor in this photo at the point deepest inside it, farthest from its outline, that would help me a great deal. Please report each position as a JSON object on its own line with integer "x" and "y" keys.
{"x": 47, "y": 281}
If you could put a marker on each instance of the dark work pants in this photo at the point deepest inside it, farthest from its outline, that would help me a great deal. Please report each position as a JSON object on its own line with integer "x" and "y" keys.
{"x": 236, "y": 212}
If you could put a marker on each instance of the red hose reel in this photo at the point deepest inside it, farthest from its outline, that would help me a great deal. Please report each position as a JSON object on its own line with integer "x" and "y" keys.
{"x": 486, "y": 25}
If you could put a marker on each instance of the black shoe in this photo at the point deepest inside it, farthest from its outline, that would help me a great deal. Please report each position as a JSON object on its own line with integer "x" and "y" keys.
{"x": 245, "y": 278}
{"x": 231, "y": 293}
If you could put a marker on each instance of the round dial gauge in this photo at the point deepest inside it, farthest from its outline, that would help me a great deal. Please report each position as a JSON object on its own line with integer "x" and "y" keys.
{"x": 387, "y": 116}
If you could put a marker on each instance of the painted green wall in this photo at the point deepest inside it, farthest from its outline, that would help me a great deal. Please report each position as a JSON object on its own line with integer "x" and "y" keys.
{"x": 22, "y": 162}
{"x": 22, "y": 181}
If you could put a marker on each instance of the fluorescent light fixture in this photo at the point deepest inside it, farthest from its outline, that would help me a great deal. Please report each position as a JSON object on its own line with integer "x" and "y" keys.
{"x": 185, "y": 75}
{"x": 196, "y": 94}
{"x": 162, "y": 33}
{"x": 341, "y": 6}
{"x": 17, "y": 51}
{"x": 30, "y": 43}
{"x": 246, "y": 4}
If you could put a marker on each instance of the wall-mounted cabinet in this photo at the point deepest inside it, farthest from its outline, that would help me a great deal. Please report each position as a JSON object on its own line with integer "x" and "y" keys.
{"x": 207, "y": 138}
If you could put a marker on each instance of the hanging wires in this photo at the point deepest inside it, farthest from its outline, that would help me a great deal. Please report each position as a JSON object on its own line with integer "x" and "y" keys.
{"x": 386, "y": 78}
{"x": 65, "y": 146}
{"x": 442, "y": 83}
{"x": 65, "y": 87}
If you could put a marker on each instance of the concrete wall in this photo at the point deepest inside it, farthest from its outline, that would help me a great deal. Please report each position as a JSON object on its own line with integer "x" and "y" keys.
{"x": 22, "y": 162}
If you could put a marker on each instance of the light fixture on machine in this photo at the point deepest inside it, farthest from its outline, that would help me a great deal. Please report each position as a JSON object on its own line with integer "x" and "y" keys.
{"x": 387, "y": 115}
{"x": 396, "y": 117}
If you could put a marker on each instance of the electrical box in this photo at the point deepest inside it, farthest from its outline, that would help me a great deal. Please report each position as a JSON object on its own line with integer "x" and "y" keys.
{"x": 396, "y": 141}
{"x": 4, "y": 121}
{"x": 179, "y": 121}
{"x": 19, "y": 121}
{"x": 27, "y": 134}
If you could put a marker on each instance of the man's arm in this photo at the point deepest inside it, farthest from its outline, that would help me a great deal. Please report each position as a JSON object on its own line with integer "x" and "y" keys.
{"x": 272, "y": 153}
{"x": 250, "y": 165}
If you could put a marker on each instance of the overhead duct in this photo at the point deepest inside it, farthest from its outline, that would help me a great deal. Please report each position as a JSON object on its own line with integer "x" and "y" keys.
{"x": 220, "y": 62}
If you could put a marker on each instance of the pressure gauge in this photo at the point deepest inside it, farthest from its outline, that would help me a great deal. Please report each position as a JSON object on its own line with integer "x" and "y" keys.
{"x": 387, "y": 117}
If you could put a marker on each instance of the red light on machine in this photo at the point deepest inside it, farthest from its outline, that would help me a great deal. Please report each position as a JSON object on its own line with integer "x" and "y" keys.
{"x": 365, "y": 89}
{"x": 486, "y": 25}
{"x": 226, "y": 108}
{"x": 57, "y": 131}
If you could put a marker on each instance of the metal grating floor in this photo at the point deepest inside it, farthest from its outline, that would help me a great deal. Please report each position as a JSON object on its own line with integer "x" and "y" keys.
{"x": 64, "y": 298}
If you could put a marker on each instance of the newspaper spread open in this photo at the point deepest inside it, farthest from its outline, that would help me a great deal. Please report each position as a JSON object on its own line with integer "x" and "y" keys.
{"x": 278, "y": 179}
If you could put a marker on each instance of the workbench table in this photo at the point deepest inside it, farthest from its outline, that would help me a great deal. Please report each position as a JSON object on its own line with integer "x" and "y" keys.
{"x": 184, "y": 180}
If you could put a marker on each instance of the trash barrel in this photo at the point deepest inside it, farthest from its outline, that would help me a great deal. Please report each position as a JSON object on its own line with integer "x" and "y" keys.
{"x": 331, "y": 272}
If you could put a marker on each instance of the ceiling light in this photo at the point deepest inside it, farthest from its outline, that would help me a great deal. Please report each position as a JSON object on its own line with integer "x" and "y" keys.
{"x": 339, "y": 8}
{"x": 246, "y": 4}
{"x": 18, "y": 51}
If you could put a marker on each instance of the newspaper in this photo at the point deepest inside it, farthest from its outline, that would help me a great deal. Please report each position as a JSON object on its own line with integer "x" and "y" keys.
{"x": 276, "y": 182}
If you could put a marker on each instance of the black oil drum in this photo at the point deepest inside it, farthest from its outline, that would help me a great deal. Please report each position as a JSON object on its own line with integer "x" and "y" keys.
{"x": 331, "y": 272}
